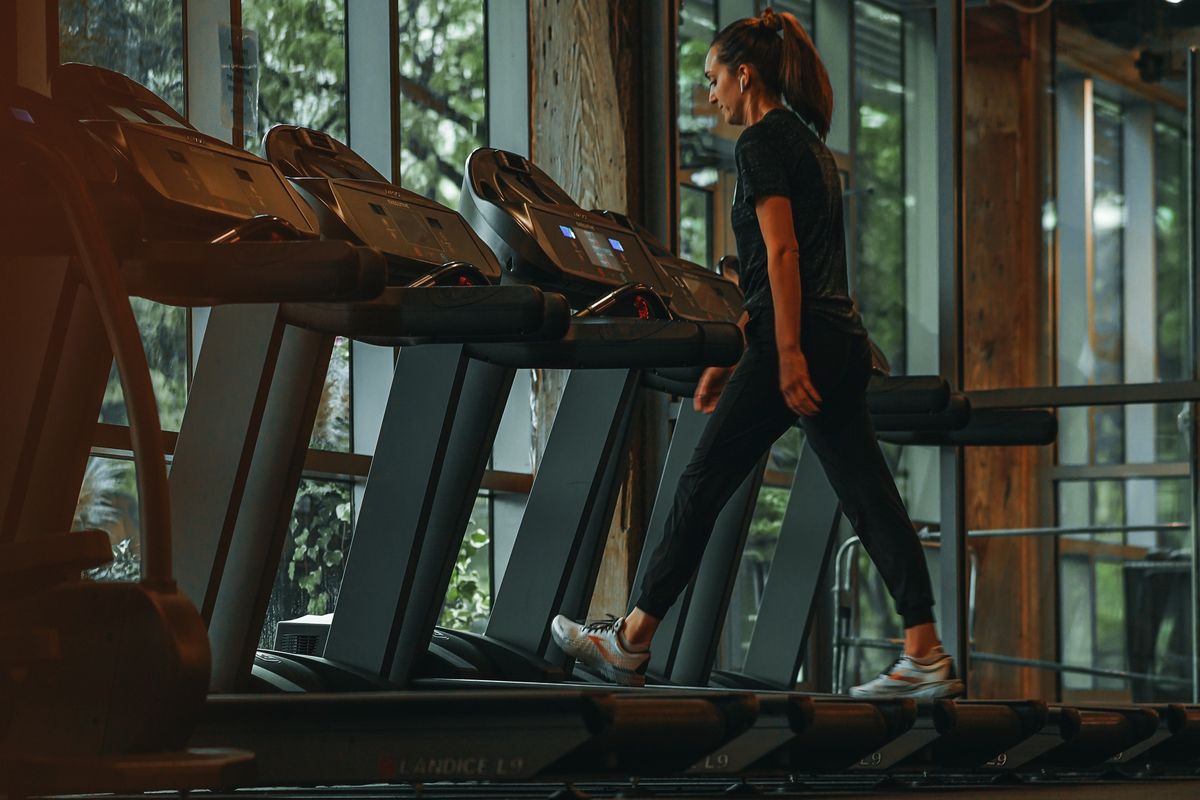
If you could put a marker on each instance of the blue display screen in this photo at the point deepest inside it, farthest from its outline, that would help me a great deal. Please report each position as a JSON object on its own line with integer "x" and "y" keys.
{"x": 567, "y": 232}
{"x": 616, "y": 245}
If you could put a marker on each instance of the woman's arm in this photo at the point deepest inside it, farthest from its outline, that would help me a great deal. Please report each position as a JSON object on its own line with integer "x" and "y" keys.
{"x": 713, "y": 380}
{"x": 783, "y": 271}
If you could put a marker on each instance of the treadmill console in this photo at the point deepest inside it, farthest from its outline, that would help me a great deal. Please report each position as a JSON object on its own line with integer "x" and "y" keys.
{"x": 698, "y": 293}
{"x": 353, "y": 201}
{"x": 183, "y": 178}
{"x": 542, "y": 236}
{"x": 702, "y": 295}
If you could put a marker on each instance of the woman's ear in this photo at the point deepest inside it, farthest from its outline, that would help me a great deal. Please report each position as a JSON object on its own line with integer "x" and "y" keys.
{"x": 743, "y": 77}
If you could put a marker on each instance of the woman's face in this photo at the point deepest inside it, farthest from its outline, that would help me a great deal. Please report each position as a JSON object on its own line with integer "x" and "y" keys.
{"x": 723, "y": 89}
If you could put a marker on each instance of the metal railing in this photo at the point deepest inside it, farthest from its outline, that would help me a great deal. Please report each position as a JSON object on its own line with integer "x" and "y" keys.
{"x": 844, "y": 639}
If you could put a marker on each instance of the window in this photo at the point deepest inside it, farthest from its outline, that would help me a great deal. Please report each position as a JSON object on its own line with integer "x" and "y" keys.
{"x": 108, "y": 502}
{"x": 139, "y": 38}
{"x": 443, "y": 93}
{"x": 300, "y": 76}
{"x": 295, "y": 73}
{"x": 314, "y": 555}
{"x": 876, "y": 202}
{"x": 1121, "y": 484}
{"x": 143, "y": 40}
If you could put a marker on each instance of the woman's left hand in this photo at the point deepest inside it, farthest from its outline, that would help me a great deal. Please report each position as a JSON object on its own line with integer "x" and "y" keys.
{"x": 796, "y": 385}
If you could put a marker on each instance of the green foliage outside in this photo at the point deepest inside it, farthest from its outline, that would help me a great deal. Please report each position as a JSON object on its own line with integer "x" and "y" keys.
{"x": 468, "y": 601}
{"x": 320, "y": 532}
{"x": 302, "y": 65}
{"x": 697, "y": 27}
{"x": 443, "y": 93}
{"x": 164, "y": 336}
{"x": 139, "y": 38}
{"x": 694, "y": 217}
{"x": 1171, "y": 291}
{"x": 880, "y": 288}
{"x": 880, "y": 284}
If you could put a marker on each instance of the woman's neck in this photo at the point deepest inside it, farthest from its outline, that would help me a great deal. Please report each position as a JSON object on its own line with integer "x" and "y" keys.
{"x": 758, "y": 107}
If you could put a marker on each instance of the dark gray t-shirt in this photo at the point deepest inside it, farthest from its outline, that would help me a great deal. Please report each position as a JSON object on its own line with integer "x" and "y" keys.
{"x": 781, "y": 155}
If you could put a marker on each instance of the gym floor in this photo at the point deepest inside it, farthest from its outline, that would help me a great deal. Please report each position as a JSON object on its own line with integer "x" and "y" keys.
{"x": 1161, "y": 789}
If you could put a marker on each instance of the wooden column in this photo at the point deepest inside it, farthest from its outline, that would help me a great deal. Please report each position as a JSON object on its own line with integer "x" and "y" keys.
{"x": 1005, "y": 339}
{"x": 585, "y": 122}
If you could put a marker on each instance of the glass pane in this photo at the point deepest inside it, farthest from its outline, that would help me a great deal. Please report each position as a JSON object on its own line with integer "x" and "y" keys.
{"x": 697, "y": 27}
{"x": 695, "y": 226}
{"x": 879, "y": 277}
{"x": 139, "y": 38}
{"x": 108, "y": 502}
{"x": 1170, "y": 160}
{"x": 803, "y": 9}
{"x": 443, "y": 93}
{"x": 164, "y": 335}
{"x": 310, "y": 571}
{"x": 1076, "y": 620}
{"x": 761, "y": 542}
{"x": 468, "y": 601}
{"x": 144, "y": 40}
{"x": 301, "y": 76}
{"x": 755, "y": 563}
{"x": 331, "y": 428}
{"x": 1110, "y": 622}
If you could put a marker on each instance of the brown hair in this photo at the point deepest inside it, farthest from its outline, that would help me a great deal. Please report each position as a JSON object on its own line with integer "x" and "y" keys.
{"x": 788, "y": 64}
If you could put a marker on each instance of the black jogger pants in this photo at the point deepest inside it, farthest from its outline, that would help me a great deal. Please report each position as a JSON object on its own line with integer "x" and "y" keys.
{"x": 750, "y": 415}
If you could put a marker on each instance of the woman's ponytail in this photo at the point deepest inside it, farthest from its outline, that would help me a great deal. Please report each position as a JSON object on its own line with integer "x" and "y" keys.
{"x": 803, "y": 79}
{"x": 777, "y": 45}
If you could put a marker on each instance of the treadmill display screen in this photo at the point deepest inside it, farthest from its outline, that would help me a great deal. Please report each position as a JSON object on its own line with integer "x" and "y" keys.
{"x": 210, "y": 178}
{"x": 597, "y": 252}
{"x": 432, "y": 235}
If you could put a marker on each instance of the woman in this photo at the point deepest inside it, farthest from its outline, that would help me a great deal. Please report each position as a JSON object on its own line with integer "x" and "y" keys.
{"x": 806, "y": 356}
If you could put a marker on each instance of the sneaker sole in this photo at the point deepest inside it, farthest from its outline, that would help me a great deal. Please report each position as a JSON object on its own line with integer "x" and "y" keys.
{"x": 933, "y": 690}
{"x": 587, "y": 653}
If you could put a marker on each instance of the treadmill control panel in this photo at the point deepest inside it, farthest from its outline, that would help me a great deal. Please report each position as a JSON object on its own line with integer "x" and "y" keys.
{"x": 187, "y": 170}
{"x": 542, "y": 236}
{"x": 354, "y": 201}
{"x": 181, "y": 171}
{"x": 702, "y": 295}
{"x": 399, "y": 225}
{"x": 591, "y": 251}
{"x": 697, "y": 294}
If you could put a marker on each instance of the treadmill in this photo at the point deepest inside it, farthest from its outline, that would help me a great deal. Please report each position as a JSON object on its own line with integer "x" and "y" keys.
{"x": 106, "y": 209}
{"x": 393, "y": 736}
{"x": 314, "y": 731}
{"x": 623, "y": 333}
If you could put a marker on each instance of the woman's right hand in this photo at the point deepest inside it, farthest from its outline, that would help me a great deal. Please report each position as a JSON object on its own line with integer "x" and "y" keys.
{"x": 708, "y": 390}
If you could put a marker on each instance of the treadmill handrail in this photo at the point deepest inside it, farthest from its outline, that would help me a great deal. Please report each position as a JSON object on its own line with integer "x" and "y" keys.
{"x": 655, "y": 308}
{"x": 100, "y": 268}
{"x": 454, "y": 272}
{"x": 183, "y": 273}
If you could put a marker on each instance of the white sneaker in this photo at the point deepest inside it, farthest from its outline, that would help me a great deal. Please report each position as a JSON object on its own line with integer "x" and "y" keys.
{"x": 600, "y": 647}
{"x": 929, "y": 678}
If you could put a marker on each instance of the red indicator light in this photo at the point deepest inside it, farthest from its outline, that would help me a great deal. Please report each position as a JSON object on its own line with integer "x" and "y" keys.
{"x": 643, "y": 308}
{"x": 463, "y": 280}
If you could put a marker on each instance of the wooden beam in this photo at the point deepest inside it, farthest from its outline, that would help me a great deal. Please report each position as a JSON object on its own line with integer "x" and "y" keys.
{"x": 1079, "y": 49}
{"x": 1003, "y": 341}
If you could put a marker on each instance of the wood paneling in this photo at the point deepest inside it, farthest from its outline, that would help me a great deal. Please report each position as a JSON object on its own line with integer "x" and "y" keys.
{"x": 584, "y": 108}
{"x": 1004, "y": 340}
